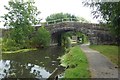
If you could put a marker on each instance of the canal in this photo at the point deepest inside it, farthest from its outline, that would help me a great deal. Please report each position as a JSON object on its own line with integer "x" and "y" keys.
{"x": 33, "y": 64}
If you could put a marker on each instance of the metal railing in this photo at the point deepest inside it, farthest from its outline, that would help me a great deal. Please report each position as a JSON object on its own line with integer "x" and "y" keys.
{"x": 62, "y": 20}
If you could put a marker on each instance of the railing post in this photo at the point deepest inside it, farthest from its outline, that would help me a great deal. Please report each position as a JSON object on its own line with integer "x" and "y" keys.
{"x": 62, "y": 20}
{"x": 70, "y": 19}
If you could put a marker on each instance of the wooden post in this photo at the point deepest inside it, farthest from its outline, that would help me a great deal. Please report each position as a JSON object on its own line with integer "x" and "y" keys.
{"x": 54, "y": 75}
{"x": 56, "y": 72}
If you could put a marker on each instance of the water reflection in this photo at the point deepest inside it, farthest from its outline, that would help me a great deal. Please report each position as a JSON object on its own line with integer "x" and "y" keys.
{"x": 32, "y": 64}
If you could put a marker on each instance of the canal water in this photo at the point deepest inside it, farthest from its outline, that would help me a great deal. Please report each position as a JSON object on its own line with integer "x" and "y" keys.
{"x": 33, "y": 64}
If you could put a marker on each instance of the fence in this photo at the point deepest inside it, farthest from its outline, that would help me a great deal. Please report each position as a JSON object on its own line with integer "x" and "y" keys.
{"x": 62, "y": 20}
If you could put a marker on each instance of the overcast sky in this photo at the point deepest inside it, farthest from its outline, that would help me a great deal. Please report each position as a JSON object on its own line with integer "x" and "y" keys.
{"x": 47, "y": 7}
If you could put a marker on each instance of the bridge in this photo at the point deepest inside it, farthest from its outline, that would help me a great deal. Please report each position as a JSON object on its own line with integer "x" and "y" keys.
{"x": 96, "y": 33}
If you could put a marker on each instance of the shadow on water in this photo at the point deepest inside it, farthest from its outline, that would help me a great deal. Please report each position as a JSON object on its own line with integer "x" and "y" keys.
{"x": 33, "y": 64}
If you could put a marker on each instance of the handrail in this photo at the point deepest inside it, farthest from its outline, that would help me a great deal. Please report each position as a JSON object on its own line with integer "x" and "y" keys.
{"x": 61, "y": 20}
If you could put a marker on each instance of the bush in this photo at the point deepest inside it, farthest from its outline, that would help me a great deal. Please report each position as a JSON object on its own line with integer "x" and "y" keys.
{"x": 9, "y": 45}
{"x": 41, "y": 38}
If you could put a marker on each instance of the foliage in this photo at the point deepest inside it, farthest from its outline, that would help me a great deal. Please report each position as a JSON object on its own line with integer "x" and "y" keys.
{"x": 76, "y": 62}
{"x": 108, "y": 50}
{"x": 66, "y": 39}
{"x": 21, "y": 15}
{"x": 61, "y": 16}
{"x": 41, "y": 38}
{"x": 9, "y": 45}
{"x": 0, "y": 40}
{"x": 109, "y": 11}
{"x": 83, "y": 37}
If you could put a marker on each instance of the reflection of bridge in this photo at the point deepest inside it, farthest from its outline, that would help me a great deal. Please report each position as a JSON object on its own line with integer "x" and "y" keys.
{"x": 96, "y": 33}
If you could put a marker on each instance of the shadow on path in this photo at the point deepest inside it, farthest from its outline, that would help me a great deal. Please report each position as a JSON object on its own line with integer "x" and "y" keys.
{"x": 100, "y": 66}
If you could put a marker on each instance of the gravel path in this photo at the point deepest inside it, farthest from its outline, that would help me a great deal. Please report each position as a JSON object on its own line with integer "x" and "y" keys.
{"x": 100, "y": 66}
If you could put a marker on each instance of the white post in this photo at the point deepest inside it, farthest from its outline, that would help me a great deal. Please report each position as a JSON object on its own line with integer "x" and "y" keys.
{"x": 70, "y": 19}
{"x": 62, "y": 20}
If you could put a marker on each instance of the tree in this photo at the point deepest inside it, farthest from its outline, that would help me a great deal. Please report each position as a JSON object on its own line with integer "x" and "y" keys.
{"x": 60, "y": 16}
{"x": 21, "y": 15}
{"x": 109, "y": 11}
{"x": 41, "y": 38}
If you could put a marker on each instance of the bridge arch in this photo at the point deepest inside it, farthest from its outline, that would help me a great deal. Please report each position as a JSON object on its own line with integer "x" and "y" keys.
{"x": 63, "y": 27}
{"x": 56, "y": 35}
{"x": 96, "y": 33}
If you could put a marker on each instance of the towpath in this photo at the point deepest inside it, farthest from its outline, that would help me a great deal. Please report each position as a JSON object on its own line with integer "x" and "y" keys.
{"x": 100, "y": 66}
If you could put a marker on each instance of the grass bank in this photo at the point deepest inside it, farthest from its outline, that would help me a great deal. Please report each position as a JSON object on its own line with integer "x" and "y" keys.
{"x": 108, "y": 50}
{"x": 77, "y": 62}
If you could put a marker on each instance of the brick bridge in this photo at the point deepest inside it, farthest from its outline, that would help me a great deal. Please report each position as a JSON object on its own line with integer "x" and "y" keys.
{"x": 96, "y": 33}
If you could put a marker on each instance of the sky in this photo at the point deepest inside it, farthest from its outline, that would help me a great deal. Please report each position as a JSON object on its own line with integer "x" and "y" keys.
{"x": 47, "y": 7}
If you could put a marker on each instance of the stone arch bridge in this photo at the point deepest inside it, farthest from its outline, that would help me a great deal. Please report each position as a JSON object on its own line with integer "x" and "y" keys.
{"x": 96, "y": 33}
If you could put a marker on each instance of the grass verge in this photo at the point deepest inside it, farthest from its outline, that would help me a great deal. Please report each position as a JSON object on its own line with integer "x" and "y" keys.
{"x": 77, "y": 62}
{"x": 108, "y": 50}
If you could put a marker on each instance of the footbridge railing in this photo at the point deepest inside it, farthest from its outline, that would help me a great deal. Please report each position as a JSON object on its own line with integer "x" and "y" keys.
{"x": 62, "y": 20}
